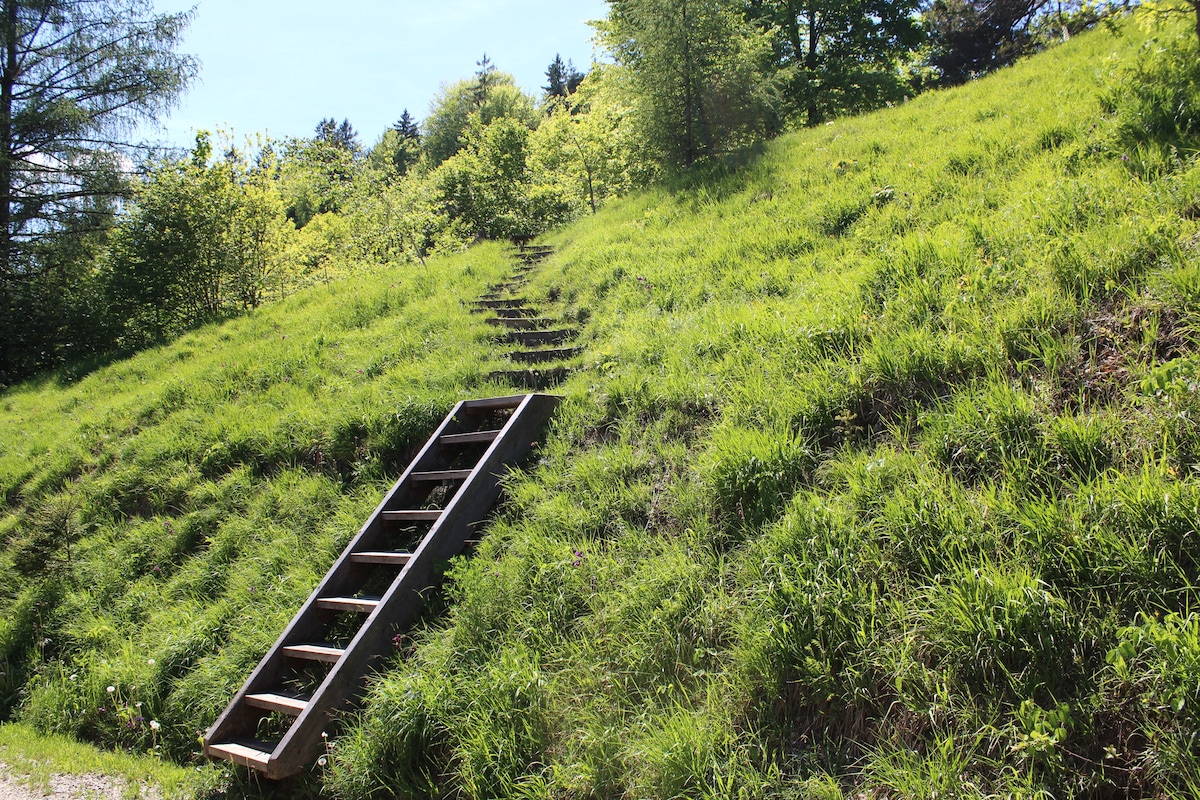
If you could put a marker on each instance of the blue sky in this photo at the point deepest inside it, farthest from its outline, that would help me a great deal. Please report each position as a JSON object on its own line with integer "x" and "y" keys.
{"x": 280, "y": 66}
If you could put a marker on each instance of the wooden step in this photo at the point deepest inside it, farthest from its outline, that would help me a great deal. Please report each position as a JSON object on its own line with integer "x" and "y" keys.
{"x": 441, "y": 476}
{"x": 251, "y": 754}
{"x": 284, "y": 704}
{"x": 413, "y": 515}
{"x": 360, "y": 605}
{"x": 493, "y": 403}
{"x": 543, "y": 356}
{"x": 540, "y": 338}
{"x": 526, "y": 324}
{"x": 386, "y": 558}
{"x": 477, "y": 437}
{"x": 314, "y": 652}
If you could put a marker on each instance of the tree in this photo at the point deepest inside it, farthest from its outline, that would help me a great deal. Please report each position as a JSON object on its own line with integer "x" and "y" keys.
{"x": 582, "y": 151}
{"x": 838, "y": 55}
{"x": 407, "y": 127}
{"x": 490, "y": 95}
{"x": 344, "y": 136}
{"x": 971, "y": 37}
{"x": 201, "y": 240}
{"x": 318, "y": 173}
{"x": 1164, "y": 8}
{"x": 74, "y": 76}
{"x": 694, "y": 68}
{"x": 562, "y": 79}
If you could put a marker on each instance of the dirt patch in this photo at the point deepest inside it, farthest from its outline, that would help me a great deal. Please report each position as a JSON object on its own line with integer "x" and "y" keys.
{"x": 1111, "y": 341}
{"x": 67, "y": 787}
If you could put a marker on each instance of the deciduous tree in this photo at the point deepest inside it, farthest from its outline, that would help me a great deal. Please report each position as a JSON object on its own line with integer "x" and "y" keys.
{"x": 837, "y": 55}
{"x": 694, "y": 70}
{"x": 491, "y": 95}
{"x": 972, "y": 37}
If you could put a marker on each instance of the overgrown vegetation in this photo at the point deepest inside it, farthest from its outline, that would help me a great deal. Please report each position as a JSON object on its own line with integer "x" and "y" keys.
{"x": 880, "y": 479}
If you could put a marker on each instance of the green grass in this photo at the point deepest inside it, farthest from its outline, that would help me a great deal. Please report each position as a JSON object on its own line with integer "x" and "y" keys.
{"x": 880, "y": 478}
{"x": 35, "y": 759}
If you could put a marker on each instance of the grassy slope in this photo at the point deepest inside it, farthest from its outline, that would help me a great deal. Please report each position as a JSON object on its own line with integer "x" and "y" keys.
{"x": 880, "y": 477}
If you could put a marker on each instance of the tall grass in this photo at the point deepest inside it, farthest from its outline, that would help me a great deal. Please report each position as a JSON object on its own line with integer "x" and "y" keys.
{"x": 879, "y": 479}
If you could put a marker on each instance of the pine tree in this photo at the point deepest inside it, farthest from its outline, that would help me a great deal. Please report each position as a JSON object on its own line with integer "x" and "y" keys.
{"x": 407, "y": 127}
{"x": 562, "y": 79}
{"x": 74, "y": 76}
{"x": 343, "y": 136}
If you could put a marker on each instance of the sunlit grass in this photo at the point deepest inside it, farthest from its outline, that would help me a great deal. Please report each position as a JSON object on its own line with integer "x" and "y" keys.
{"x": 879, "y": 477}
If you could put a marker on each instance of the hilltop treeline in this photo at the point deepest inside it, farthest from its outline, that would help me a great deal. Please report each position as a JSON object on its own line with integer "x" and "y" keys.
{"x": 218, "y": 230}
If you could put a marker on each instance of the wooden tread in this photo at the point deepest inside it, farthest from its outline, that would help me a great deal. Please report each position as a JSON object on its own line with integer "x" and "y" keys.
{"x": 441, "y": 475}
{"x": 394, "y": 559}
{"x": 314, "y": 652}
{"x": 477, "y": 437}
{"x": 284, "y": 704}
{"x": 493, "y": 403}
{"x": 247, "y": 755}
{"x": 413, "y": 515}
{"x": 362, "y": 605}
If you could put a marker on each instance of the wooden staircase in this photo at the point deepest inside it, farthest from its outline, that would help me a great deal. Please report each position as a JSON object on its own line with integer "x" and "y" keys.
{"x": 276, "y": 722}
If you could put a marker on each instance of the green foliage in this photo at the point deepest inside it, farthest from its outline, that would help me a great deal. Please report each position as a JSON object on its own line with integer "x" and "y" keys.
{"x": 489, "y": 96}
{"x": 204, "y": 238}
{"x": 693, "y": 75}
{"x": 835, "y": 57}
{"x": 1155, "y": 104}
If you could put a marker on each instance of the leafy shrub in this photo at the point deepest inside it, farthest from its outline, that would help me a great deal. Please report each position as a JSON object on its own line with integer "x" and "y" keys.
{"x": 1156, "y": 101}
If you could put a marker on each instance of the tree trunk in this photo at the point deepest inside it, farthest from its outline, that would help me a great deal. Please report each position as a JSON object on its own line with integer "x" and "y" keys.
{"x": 689, "y": 154}
{"x": 810, "y": 63}
{"x": 7, "y": 82}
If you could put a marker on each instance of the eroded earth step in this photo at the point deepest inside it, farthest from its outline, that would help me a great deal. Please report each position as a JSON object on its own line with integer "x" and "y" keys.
{"x": 500, "y": 302}
{"x": 534, "y": 379}
{"x": 521, "y": 323}
{"x": 512, "y": 312}
{"x": 540, "y": 338}
{"x": 543, "y": 356}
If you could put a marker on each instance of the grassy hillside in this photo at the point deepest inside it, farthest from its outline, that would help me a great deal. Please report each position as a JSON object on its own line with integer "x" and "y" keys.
{"x": 880, "y": 480}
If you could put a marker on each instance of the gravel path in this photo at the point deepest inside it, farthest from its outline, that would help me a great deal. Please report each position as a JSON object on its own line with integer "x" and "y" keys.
{"x": 63, "y": 787}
